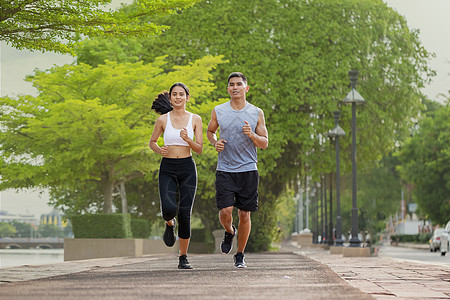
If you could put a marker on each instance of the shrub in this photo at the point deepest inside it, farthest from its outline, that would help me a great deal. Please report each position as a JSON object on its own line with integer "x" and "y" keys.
{"x": 201, "y": 235}
{"x": 411, "y": 238}
{"x": 102, "y": 226}
{"x": 140, "y": 228}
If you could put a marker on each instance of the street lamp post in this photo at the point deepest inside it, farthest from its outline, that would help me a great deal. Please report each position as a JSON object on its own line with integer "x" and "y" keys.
{"x": 307, "y": 202}
{"x": 325, "y": 203}
{"x": 300, "y": 207}
{"x": 315, "y": 221}
{"x": 336, "y": 133}
{"x": 354, "y": 98}
{"x": 330, "y": 221}
{"x": 321, "y": 208}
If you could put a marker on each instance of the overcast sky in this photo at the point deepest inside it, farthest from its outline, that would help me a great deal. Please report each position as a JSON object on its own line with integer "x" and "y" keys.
{"x": 431, "y": 17}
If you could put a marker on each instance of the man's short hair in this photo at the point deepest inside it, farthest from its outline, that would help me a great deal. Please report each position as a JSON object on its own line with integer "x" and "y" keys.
{"x": 237, "y": 74}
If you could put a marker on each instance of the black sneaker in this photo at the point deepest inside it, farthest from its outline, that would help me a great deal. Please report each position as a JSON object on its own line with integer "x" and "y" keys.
{"x": 169, "y": 234}
{"x": 227, "y": 242}
{"x": 239, "y": 260}
{"x": 184, "y": 264}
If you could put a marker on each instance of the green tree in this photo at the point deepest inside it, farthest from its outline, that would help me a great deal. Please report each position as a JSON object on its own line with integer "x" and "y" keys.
{"x": 425, "y": 162}
{"x": 23, "y": 229}
{"x": 286, "y": 210}
{"x": 49, "y": 230}
{"x": 296, "y": 54}
{"x": 7, "y": 230}
{"x": 67, "y": 231}
{"x": 119, "y": 50}
{"x": 142, "y": 197}
{"x": 88, "y": 130}
{"x": 379, "y": 194}
{"x": 44, "y": 25}
{"x": 313, "y": 56}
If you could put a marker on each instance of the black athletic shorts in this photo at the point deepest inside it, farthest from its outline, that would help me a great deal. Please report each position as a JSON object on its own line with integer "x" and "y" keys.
{"x": 237, "y": 189}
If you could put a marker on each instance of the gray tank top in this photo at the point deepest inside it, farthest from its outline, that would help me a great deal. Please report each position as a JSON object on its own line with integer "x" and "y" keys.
{"x": 239, "y": 154}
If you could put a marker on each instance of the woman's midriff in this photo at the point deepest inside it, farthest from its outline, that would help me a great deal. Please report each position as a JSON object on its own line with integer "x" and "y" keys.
{"x": 179, "y": 151}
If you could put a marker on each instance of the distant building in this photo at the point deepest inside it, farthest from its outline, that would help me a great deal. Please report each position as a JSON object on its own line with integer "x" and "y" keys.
{"x": 408, "y": 225}
{"x": 55, "y": 218}
{"x": 9, "y": 218}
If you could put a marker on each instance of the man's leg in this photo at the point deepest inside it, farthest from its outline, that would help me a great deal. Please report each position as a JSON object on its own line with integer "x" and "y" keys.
{"x": 226, "y": 218}
{"x": 245, "y": 226}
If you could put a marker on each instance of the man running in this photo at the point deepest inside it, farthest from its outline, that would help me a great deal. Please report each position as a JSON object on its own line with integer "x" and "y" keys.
{"x": 242, "y": 131}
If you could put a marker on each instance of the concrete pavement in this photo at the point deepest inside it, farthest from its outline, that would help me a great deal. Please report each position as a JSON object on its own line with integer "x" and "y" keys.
{"x": 291, "y": 273}
{"x": 386, "y": 278}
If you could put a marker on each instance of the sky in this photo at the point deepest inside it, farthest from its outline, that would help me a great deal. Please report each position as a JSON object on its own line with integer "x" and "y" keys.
{"x": 431, "y": 17}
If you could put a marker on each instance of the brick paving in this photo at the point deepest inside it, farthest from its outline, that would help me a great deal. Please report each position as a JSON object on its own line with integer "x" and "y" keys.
{"x": 385, "y": 278}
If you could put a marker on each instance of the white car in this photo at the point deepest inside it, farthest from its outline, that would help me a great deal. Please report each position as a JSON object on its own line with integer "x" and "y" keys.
{"x": 435, "y": 241}
{"x": 445, "y": 239}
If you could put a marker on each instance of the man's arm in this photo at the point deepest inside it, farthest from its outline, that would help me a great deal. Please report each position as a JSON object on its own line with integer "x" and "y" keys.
{"x": 260, "y": 137}
{"x": 211, "y": 133}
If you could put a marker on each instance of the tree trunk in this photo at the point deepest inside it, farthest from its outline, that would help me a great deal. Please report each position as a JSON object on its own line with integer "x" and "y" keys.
{"x": 107, "y": 194}
{"x": 123, "y": 197}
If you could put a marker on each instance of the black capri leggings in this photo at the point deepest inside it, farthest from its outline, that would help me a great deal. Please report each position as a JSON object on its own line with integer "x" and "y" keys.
{"x": 178, "y": 175}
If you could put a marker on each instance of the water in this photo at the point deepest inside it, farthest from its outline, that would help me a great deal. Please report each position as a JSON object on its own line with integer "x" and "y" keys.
{"x": 20, "y": 257}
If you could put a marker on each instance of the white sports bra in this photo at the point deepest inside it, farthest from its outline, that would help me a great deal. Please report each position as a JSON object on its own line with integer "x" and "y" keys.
{"x": 172, "y": 135}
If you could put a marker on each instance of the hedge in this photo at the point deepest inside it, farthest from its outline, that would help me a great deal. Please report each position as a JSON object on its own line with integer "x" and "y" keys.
{"x": 102, "y": 226}
{"x": 201, "y": 235}
{"x": 411, "y": 238}
{"x": 140, "y": 228}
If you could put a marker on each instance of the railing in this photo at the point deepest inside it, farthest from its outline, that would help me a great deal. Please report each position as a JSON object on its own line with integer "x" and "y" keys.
{"x": 32, "y": 240}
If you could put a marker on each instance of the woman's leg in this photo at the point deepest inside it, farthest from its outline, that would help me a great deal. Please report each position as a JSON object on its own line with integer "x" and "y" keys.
{"x": 188, "y": 187}
{"x": 167, "y": 192}
{"x": 184, "y": 245}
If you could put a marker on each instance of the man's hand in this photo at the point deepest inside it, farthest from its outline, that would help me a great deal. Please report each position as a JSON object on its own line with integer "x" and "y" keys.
{"x": 247, "y": 129}
{"x": 220, "y": 145}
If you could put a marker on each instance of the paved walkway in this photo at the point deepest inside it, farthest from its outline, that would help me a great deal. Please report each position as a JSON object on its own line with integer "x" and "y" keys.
{"x": 386, "y": 278}
{"x": 291, "y": 273}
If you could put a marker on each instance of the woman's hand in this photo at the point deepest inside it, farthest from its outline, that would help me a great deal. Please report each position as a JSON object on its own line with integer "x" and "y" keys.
{"x": 164, "y": 150}
{"x": 184, "y": 135}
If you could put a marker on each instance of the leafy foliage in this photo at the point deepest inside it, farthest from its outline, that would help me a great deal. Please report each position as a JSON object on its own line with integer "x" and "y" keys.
{"x": 296, "y": 55}
{"x": 102, "y": 226}
{"x": 22, "y": 229}
{"x": 379, "y": 195}
{"x": 7, "y": 230}
{"x": 140, "y": 228}
{"x": 300, "y": 54}
{"x": 286, "y": 209}
{"x": 87, "y": 131}
{"x": 43, "y": 25}
{"x": 425, "y": 162}
{"x": 49, "y": 230}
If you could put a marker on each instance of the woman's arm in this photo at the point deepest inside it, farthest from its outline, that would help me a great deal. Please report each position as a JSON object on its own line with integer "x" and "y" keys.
{"x": 157, "y": 131}
{"x": 197, "y": 145}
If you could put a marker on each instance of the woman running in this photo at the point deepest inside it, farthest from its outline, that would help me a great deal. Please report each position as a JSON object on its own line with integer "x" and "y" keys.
{"x": 183, "y": 132}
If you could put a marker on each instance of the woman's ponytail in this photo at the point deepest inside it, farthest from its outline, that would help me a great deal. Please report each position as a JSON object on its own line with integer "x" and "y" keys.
{"x": 162, "y": 104}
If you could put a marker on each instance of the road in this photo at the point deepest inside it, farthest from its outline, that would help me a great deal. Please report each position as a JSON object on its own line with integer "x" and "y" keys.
{"x": 416, "y": 255}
